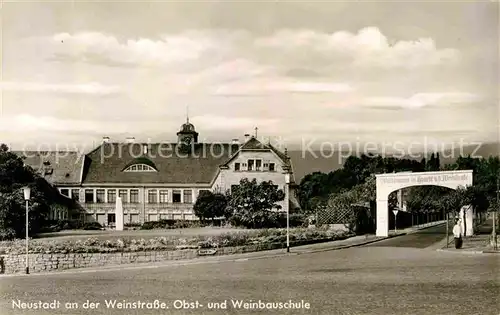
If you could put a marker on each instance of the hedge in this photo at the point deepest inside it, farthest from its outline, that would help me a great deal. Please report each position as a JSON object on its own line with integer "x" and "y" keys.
{"x": 93, "y": 245}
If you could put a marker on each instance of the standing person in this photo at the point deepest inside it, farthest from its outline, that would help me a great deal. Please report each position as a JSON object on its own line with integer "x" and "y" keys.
{"x": 457, "y": 234}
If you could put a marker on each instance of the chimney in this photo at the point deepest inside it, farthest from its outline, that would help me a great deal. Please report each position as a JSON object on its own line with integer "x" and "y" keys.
{"x": 235, "y": 141}
{"x": 130, "y": 140}
{"x": 105, "y": 139}
{"x": 247, "y": 137}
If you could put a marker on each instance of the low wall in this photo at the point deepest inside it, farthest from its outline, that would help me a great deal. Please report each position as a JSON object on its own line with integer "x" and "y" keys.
{"x": 10, "y": 264}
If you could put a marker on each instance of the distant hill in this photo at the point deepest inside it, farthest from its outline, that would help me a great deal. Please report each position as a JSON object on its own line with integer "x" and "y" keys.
{"x": 308, "y": 162}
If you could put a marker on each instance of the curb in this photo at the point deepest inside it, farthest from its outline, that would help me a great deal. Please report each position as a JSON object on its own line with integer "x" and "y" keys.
{"x": 349, "y": 246}
{"x": 468, "y": 252}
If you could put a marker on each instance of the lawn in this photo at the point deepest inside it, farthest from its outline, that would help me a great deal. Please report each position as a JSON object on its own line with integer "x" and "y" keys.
{"x": 74, "y": 235}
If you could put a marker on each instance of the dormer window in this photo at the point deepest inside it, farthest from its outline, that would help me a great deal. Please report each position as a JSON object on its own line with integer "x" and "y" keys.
{"x": 140, "y": 168}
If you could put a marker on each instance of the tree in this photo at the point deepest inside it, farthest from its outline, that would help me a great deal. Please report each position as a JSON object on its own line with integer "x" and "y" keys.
{"x": 254, "y": 205}
{"x": 13, "y": 176}
{"x": 210, "y": 205}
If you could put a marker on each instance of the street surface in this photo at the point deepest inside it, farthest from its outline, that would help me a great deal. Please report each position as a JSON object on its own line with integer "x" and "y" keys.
{"x": 383, "y": 278}
{"x": 422, "y": 239}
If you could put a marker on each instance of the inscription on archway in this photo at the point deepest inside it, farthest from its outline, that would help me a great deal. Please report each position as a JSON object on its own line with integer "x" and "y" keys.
{"x": 425, "y": 179}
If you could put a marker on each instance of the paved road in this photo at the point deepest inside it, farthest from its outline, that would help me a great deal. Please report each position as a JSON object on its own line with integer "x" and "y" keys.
{"x": 363, "y": 280}
{"x": 422, "y": 239}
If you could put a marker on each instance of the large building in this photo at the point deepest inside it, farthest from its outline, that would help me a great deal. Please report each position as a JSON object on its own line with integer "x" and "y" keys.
{"x": 160, "y": 180}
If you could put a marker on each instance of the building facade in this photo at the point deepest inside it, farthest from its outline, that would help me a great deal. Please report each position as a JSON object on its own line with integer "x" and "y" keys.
{"x": 163, "y": 180}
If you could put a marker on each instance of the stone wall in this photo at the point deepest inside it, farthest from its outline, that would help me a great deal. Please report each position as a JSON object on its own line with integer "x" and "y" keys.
{"x": 54, "y": 262}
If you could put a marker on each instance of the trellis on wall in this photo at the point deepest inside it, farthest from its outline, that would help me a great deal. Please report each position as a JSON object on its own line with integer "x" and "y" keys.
{"x": 328, "y": 215}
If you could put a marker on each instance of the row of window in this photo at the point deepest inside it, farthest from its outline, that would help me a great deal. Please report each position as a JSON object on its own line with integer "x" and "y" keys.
{"x": 140, "y": 168}
{"x": 255, "y": 165}
{"x": 131, "y": 196}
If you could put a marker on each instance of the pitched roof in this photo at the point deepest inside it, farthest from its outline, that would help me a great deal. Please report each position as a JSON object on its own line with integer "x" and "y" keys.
{"x": 108, "y": 160}
{"x": 255, "y": 145}
{"x": 57, "y": 167}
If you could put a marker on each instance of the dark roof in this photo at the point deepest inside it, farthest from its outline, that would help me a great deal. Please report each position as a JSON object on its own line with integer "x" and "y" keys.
{"x": 57, "y": 167}
{"x": 187, "y": 127}
{"x": 108, "y": 160}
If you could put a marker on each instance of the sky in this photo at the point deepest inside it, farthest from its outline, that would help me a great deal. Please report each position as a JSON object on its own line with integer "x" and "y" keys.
{"x": 301, "y": 72}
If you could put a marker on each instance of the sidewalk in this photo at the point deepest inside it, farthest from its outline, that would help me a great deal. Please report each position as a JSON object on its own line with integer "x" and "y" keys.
{"x": 476, "y": 244}
{"x": 299, "y": 250}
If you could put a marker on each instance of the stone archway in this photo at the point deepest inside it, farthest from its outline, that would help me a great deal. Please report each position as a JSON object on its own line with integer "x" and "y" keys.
{"x": 387, "y": 183}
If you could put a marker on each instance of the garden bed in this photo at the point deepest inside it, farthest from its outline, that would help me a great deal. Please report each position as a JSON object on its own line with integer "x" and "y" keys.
{"x": 57, "y": 255}
{"x": 170, "y": 242}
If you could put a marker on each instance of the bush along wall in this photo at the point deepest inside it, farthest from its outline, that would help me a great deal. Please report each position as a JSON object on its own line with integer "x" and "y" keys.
{"x": 56, "y": 255}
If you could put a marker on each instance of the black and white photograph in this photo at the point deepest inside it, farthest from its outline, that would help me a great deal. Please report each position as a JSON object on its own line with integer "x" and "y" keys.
{"x": 327, "y": 157}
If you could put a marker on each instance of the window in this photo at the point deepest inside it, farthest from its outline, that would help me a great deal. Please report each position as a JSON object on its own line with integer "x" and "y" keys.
{"x": 164, "y": 216}
{"x": 236, "y": 166}
{"x": 152, "y": 196}
{"x": 271, "y": 167}
{"x": 176, "y": 196}
{"x": 134, "y": 218}
{"x": 134, "y": 196}
{"x": 250, "y": 165}
{"x": 188, "y": 196}
{"x": 89, "y": 195}
{"x": 122, "y": 193}
{"x": 100, "y": 195}
{"x": 202, "y": 191}
{"x": 140, "y": 168}
{"x": 111, "y": 195}
{"x": 163, "y": 196}
{"x": 75, "y": 194}
{"x": 111, "y": 218}
{"x": 258, "y": 165}
{"x": 65, "y": 192}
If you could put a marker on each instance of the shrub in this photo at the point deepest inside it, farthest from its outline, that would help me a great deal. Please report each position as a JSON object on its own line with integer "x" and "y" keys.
{"x": 161, "y": 224}
{"x": 269, "y": 220}
{"x": 92, "y": 226}
{"x": 169, "y": 224}
{"x": 7, "y": 234}
{"x": 132, "y": 225}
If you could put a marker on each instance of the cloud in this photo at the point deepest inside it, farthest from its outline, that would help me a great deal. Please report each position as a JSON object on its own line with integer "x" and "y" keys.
{"x": 266, "y": 86}
{"x": 420, "y": 100}
{"x": 100, "y": 48}
{"x": 312, "y": 50}
{"x": 367, "y": 48}
{"x": 91, "y": 88}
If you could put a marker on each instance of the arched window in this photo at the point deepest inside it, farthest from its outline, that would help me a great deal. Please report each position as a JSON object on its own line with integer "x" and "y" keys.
{"x": 140, "y": 168}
